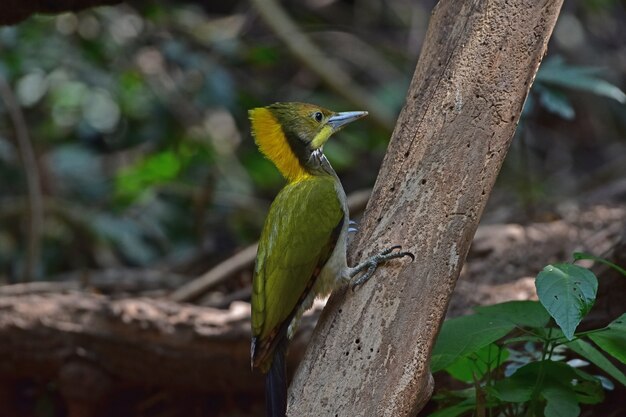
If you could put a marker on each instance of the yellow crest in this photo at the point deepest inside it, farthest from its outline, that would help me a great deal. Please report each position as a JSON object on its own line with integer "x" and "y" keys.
{"x": 271, "y": 140}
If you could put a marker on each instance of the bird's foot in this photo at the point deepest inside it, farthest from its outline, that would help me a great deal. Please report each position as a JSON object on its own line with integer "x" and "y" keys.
{"x": 370, "y": 265}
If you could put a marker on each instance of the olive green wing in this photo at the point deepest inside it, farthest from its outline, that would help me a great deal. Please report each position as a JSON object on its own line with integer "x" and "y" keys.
{"x": 299, "y": 235}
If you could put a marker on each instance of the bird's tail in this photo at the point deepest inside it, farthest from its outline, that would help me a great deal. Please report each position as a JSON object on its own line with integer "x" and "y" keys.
{"x": 276, "y": 384}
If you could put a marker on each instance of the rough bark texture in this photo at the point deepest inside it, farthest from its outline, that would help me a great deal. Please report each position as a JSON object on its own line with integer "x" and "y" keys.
{"x": 370, "y": 353}
{"x": 14, "y": 11}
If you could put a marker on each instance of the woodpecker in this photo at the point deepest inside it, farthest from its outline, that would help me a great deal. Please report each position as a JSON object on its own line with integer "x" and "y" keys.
{"x": 302, "y": 249}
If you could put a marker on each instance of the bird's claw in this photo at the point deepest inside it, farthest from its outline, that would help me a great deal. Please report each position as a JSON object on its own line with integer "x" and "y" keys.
{"x": 372, "y": 263}
{"x": 391, "y": 249}
{"x": 400, "y": 254}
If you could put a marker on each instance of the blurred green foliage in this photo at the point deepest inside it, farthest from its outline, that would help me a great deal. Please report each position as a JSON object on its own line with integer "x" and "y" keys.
{"x": 138, "y": 119}
{"x": 555, "y": 75}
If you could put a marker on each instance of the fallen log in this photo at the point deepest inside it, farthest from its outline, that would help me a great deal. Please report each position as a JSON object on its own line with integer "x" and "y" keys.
{"x": 138, "y": 341}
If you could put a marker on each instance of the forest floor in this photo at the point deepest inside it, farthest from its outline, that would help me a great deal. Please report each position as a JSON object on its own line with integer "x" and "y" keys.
{"x": 145, "y": 355}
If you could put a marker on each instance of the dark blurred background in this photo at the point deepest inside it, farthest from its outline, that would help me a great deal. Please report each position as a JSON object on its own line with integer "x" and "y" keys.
{"x": 135, "y": 120}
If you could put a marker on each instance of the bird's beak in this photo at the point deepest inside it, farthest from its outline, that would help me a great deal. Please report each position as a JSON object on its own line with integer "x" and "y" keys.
{"x": 339, "y": 120}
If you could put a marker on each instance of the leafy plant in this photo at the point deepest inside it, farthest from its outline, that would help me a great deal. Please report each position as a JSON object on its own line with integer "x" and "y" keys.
{"x": 556, "y": 76}
{"x": 516, "y": 359}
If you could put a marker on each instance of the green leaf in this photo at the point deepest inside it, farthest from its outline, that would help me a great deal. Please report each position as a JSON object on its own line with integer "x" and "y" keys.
{"x": 582, "y": 255}
{"x": 155, "y": 169}
{"x": 568, "y": 292}
{"x": 587, "y": 351}
{"x": 528, "y": 338}
{"x": 556, "y": 371}
{"x": 613, "y": 339}
{"x": 263, "y": 55}
{"x": 585, "y": 388}
{"x": 520, "y": 313}
{"x": 588, "y": 388}
{"x": 465, "y": 335}
{"x": 557, "y": 387}
{"x": 478, "y": 363}
{"x": 558, "y": 73}
{"x": 453, "y": 411}
{"x": 513, "y": 390}
{"x": 555, "y": 102}
{"x": 561, "y": 401}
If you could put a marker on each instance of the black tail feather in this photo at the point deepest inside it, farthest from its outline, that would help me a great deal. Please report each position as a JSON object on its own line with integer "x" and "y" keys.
{"x": 276, "y": 384}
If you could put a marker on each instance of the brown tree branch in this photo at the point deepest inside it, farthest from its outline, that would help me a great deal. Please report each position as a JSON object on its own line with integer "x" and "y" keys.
{"x": 216, "y": 275}
{"x": 370, "y": 352}
{"x": 316, "y": 60}
{"x": 31, "y": 172}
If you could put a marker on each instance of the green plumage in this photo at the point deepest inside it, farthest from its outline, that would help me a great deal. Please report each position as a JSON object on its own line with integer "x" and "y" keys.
{"x": 299, "y": 235}
{"x": 302, "y": 250}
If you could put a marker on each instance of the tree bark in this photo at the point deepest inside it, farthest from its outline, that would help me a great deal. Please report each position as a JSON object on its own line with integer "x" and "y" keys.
{"x": 370, "y": 352}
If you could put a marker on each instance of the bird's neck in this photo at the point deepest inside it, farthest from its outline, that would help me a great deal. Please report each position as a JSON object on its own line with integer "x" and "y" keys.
{"x": 294, "y": 160}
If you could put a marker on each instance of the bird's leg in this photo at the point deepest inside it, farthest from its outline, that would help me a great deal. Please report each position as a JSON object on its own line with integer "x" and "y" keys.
{"x": 370, "y": 265}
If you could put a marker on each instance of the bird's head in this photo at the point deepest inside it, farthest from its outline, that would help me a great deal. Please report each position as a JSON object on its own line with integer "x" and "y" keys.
{"x": 289, "y": 134}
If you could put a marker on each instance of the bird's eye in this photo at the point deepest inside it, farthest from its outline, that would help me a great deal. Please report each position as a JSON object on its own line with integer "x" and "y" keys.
{"x": 318, "y": 116}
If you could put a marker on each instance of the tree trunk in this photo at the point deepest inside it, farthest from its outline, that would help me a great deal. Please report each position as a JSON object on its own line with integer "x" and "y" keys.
{"x": 370, "y": 352}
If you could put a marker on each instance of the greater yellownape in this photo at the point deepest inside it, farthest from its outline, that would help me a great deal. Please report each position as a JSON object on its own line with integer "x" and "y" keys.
{"x": 302, "y": 249}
